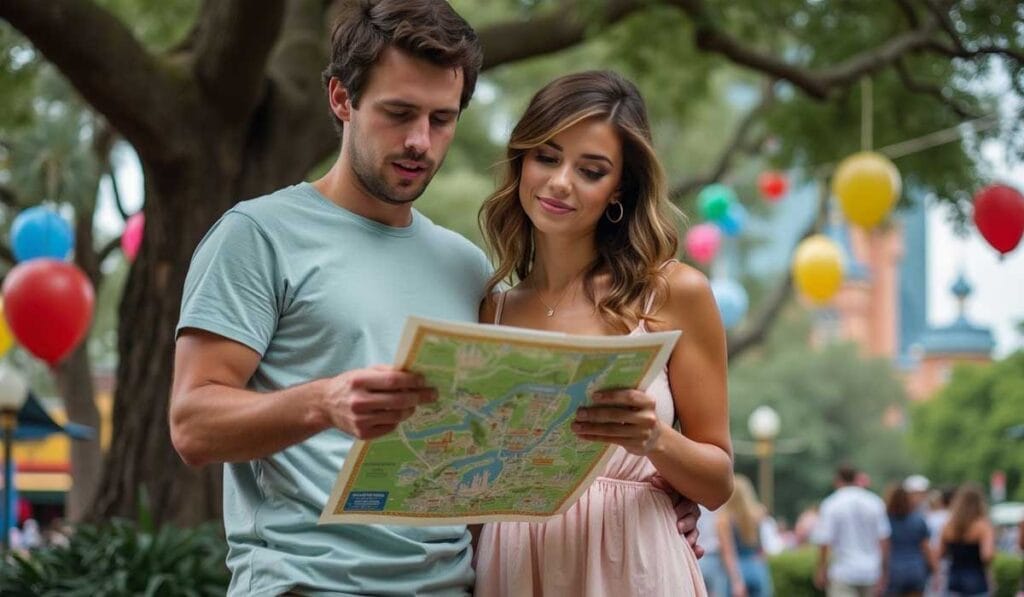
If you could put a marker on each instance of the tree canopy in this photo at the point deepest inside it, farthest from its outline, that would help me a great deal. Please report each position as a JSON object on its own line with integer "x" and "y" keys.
{"x": 964, "y": 433}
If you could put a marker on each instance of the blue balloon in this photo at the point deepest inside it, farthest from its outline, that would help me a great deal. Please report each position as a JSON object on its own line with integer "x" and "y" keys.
{"x": 734, "y": 220}
{"x": 732, "y": 301}
{"x": 40, "y": 232}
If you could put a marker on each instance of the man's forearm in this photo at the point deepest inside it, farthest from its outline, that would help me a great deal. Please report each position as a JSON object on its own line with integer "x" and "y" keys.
{"x": 218, "y": 423}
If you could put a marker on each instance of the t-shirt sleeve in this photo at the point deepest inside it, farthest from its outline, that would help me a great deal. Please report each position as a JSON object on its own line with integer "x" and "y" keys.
{"x": 233, "y": 288}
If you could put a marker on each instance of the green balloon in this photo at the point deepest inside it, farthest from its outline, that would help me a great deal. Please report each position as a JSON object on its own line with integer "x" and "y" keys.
{"x": 714, "y": 201}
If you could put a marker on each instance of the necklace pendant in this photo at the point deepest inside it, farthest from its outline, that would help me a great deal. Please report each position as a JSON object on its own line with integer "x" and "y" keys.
{"x": 551, "y": 312}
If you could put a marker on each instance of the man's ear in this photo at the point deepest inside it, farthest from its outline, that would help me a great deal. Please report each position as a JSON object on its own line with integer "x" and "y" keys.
{"x": 341, "y": 102}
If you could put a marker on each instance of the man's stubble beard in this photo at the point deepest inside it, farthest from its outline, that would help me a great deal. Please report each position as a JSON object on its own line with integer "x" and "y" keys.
{"x": 374, "y": 182}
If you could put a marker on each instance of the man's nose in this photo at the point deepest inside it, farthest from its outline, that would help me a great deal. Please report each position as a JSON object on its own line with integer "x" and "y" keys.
{"x": 417, "y": 139}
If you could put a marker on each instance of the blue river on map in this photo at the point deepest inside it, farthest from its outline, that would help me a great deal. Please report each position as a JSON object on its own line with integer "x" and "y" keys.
{"x": 493, "y": 459}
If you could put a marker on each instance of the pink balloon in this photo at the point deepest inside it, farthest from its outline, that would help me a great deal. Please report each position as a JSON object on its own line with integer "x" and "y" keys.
{"x": 131, "y": 238}
{"x": 702, "y": 242}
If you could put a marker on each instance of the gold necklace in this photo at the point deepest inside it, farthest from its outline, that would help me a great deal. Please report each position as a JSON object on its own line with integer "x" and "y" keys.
{"x": 550, "y": 309}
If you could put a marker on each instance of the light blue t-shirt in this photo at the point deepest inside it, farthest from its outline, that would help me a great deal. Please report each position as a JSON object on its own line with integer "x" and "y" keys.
{"x": 318, "y": 290}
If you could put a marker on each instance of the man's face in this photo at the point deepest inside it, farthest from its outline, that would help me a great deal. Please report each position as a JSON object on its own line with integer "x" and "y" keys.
{"x": 399, "y": 135}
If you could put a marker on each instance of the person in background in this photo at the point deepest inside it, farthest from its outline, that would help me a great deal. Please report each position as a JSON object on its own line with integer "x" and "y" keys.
{"x": 910, "y": 555}
{"x": 804, "y": 525}
{"x": 970, "y": 542}
{"x": 853, "y": 536}
{"x": 917, "y": 487}
{"x": 938, "y": 514}
{"x": 711, "y": 568}
{"x": 739, "y": 539}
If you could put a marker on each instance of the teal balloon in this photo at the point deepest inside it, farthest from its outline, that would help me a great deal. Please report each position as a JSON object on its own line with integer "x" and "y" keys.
{"x": 714, "y": 200}
{"x": 734, "y": 220}
{"x": 40, "y": 232}
{"x": 732, "y": 301}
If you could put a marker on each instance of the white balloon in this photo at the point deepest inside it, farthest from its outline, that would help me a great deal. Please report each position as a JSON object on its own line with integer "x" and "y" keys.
{"x": 13, "y": 388}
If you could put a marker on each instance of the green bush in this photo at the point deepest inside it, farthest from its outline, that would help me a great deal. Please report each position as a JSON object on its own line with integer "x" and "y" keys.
{"x": 1007, "y": 570}
{"x": 123, "y": 558}
{"x": 793, "y": 573}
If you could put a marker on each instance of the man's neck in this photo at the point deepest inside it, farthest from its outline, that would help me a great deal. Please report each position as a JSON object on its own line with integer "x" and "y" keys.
{"x": 341, "y": 186}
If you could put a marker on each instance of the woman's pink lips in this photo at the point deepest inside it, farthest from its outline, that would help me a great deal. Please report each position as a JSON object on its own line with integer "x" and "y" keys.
{"x": 554, "y": 206}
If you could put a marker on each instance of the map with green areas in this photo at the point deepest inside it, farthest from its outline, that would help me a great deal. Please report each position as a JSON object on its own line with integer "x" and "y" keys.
{"x": 497, "y": 445}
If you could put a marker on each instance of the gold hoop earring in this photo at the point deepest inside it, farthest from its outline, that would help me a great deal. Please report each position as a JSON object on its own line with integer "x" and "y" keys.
{"x": 622, "y": 212}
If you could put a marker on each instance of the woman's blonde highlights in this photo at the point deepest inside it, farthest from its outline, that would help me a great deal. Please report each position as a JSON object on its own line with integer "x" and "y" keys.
{"x": 630, "y": 251}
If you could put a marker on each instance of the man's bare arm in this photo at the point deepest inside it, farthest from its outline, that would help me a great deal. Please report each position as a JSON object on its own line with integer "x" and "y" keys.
{"x": 213, "y": 418}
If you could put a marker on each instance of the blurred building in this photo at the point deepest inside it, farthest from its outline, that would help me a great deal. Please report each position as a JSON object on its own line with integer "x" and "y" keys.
{"x": 883, "y": 305}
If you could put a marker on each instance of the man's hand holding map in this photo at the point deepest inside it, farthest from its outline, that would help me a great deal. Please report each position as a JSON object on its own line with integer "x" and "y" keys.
{"x": 497, "y": 444}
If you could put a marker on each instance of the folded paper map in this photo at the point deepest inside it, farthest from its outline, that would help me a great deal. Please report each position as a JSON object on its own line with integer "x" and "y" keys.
{"x": 497, "y": 444}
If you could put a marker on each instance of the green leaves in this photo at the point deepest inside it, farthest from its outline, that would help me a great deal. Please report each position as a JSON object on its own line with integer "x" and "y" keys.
{"x": 961, "y": 434}
{"x": 119, "y": 558}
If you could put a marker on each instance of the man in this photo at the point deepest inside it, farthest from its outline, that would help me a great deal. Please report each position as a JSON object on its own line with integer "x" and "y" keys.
{"x": 294, "y": 300}
{"x": 853, "y": 535}
{"x": 917, "y": 487}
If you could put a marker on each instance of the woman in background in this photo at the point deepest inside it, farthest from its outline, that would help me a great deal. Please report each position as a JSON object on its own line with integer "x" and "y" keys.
{"x": 911, "y": 559}
{"x": 969, "y": 540}
{"x": 739, "y": 539}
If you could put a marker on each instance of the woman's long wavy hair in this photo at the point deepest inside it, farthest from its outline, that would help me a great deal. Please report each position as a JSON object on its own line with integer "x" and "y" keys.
{"x": 968, "y": 506}
{"x": 744, "y": 510}
{"x": 632, "y": 250}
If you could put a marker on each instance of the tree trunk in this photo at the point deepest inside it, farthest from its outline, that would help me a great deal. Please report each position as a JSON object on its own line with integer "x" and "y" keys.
{"x": 183, "y": 200}
{"x": 74, "y": 378}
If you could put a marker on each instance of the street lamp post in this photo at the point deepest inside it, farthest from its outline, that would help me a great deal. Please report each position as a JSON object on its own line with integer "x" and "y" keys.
{"x": 764, "y": 427}
{"x": 13, "y": 392}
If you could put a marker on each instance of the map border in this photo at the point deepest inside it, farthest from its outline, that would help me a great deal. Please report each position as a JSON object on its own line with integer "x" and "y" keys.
{"x": 416, "y": 329}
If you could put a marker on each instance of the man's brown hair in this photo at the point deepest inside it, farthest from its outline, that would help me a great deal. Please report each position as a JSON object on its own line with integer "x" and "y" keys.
{"x": 427, "y": 29}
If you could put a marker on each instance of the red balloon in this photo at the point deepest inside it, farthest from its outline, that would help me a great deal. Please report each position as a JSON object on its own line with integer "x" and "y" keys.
{"x": 772, "y": 184}
{"x": 999, "y": 216}
{"x": 48, "y": 305}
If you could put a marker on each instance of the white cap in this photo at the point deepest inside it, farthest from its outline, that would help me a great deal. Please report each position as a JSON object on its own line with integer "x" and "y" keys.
{"x": 915, "y": 483}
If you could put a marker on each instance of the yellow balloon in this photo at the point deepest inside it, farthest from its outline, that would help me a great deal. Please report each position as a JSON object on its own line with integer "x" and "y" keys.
{"x": 818, "y": 268}
{"x": 6, "y": 337}
{"x": 867, "y": 185}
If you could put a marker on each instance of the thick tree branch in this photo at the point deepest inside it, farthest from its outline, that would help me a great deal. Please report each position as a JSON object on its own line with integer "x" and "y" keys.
{"x": 933, "y": 90}
{"x": 737, "y": 144}
{"x": 816, "y": 83}
{"x": 544, "y": 34}
{"x": 107, "y": 65}
{"x": 907, "y": 7}
{"x": 9, "y": 198}
{"x": 105, "y": 251}
{"x": 234, "y": 39}
{"x": 761, "y": 323}
{"x": 942, "y": 16}
{"x": 7, "y": 256}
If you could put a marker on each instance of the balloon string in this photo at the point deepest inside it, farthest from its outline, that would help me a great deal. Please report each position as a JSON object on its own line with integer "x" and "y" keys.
{"x": 867, "y": 114}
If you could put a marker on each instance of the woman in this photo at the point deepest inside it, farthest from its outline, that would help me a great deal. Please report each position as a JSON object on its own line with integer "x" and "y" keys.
{"x": 969, "y": 541}
{"x": 582, "y": 229}
{"x": 910, "y": 556}
{"x": 739, "y": 537}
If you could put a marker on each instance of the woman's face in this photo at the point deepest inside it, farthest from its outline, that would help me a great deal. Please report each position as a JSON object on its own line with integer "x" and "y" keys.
{"x": 568, "y": 182}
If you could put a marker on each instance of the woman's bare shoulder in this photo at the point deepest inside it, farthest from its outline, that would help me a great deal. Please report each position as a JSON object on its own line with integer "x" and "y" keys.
{"x": 689, "y": 299}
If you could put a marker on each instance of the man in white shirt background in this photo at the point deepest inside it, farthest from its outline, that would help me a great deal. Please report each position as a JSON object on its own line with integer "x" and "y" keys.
{"x": 853, "y": 535}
